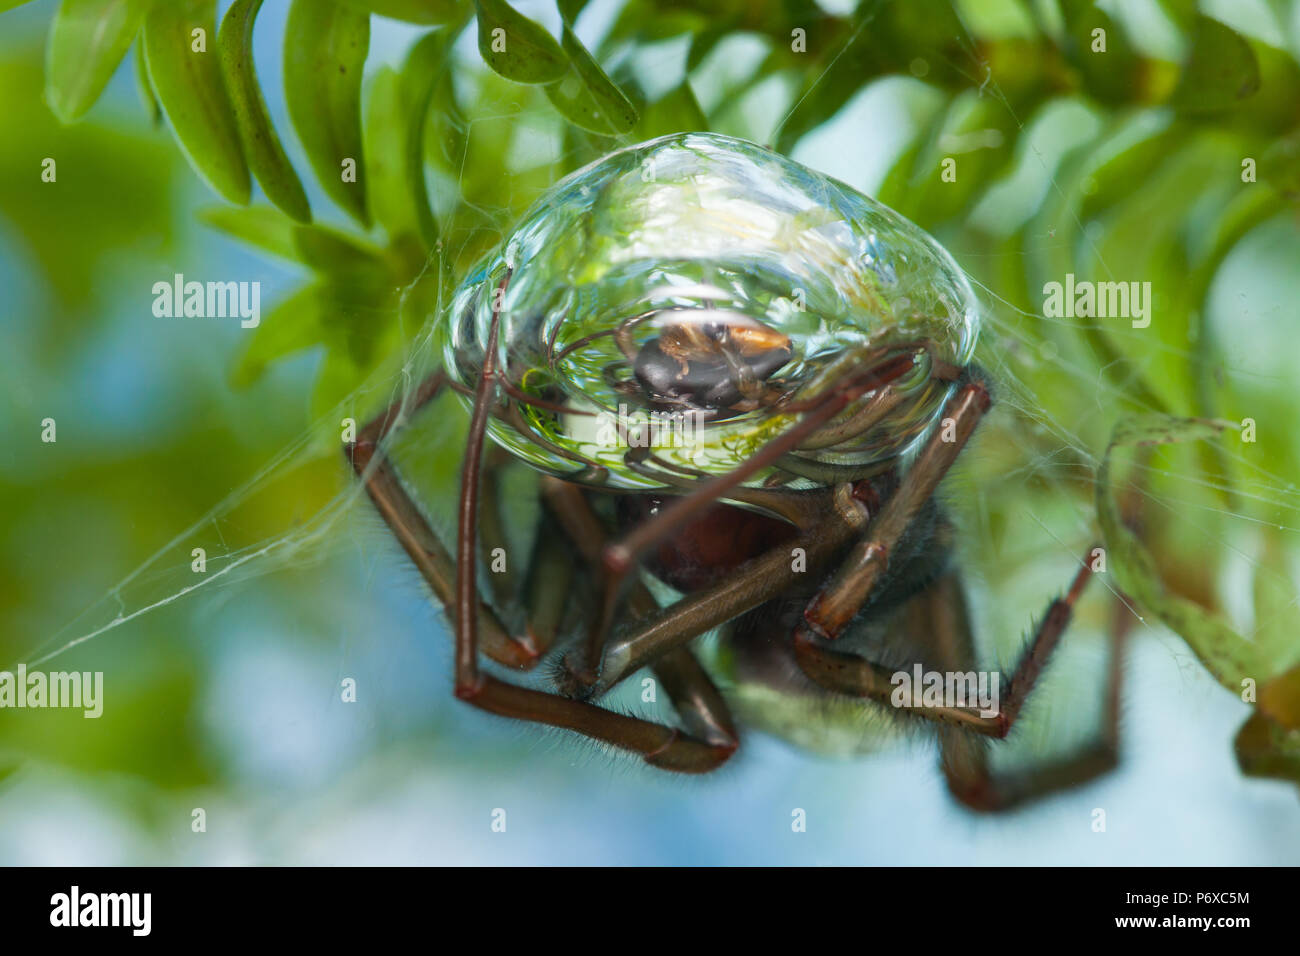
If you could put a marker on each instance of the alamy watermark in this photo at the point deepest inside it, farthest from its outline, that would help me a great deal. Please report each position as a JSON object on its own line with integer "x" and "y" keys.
{"x": 1102, "y": 300}
{"x": 208, "y": 300}
{"x": 922, "y": 688}
{"x": 129, "y": 910}
{"x": 57, "y": 689}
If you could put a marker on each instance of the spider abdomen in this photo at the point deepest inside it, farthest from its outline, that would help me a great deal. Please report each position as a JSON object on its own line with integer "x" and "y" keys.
{"x": 709, "y": 548}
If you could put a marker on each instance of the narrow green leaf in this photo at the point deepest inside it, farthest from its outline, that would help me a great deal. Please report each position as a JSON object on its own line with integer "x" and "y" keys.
{"x": 420, "y": 78}
{"x": 386, "y": 146}
{"x": 262, "y": 226}
{"x": 1280, "y": 166}
{"x": 88, "y": 40}
{"x": 704, "y": 42}
{"x": 185, "y": 75}
{"x": 144, "y": 86}
{"x": 516, "y": 47}
{"x": 1221, "y": 70}
{"x": 1276, "y": 605}
{"x": 1228, "y": 656}
{"x": 587, "y": 96}
{"x": 336, "y": 254}
{"x": 677, "y": 111}
{"x": 570, "y": 9}
{"x": 262, "y": 149}
{"x": 291, "y": 326}
{"x": 1109, "y": 74}
{"x": 1142, "y": 430}
{"x": 425, "y": 12}
{"x": 325, "y": 47}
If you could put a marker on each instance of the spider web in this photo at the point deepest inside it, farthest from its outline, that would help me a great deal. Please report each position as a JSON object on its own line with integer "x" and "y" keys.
{"x": 1022, "y": 494}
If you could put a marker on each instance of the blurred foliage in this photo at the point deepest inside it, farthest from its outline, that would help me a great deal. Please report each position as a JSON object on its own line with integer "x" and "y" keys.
{"x": 1080, "y": 147}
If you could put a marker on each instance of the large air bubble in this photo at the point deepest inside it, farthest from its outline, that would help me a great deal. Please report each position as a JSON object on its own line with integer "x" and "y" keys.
{"x": 637, "y": 277}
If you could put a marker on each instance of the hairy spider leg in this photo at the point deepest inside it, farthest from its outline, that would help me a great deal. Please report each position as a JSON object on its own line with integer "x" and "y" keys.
{"x": 845, "y": 594}
{"x": 693, "y": 694}
{"x": 965, "y": 758}
{"x": 965, "y": 763}
{"x": 852, "y": 674}
{"x": 408, "y": 523}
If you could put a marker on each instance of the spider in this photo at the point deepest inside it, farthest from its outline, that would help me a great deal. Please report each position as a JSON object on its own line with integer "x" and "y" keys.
{"x": 823, "y": 345}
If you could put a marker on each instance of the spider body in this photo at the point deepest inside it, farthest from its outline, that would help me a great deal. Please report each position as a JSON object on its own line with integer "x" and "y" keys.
{"x": 819, "y": 346}
{"x": 714, "y": 367}
{"x": 711, "y": 547}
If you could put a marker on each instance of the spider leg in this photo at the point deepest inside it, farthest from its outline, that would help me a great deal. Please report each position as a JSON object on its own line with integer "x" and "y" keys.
{"x": 697, "y": 701}
{"x": 753, "y": 583}
{"x": 492, "y": 528}
{"x": 620, "y": 555}
{"x": 966, "y": 762}
{"x": 845, "y": 594}
{"x": 547, "y": 583}
{"x": 659, "y": 745}
{"x": 891, "y": 363}
{"x": 855, "y": 675}
{"x": 412, "y": 529}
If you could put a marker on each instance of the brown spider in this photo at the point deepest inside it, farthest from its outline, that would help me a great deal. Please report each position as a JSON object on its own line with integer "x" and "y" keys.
{"x": 870, "y": 540}
{"x": 875, "y": 546}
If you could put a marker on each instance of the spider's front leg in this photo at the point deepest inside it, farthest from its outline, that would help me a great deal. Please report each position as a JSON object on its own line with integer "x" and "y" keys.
{"x": 403, "y": 516}
{"x": 965, "y": 758}
{"x": 830, "y": 612}
{"x": 854, "y": 675}
{"x": 710, "y": 738}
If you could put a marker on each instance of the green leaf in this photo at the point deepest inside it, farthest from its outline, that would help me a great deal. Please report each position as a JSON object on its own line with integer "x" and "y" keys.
{"x": 325, "y": 47}
{"x": 1228, "y": 656}
{"x": 262, "y": 149}
{"x": 144, "y": 86}
{"x": 427, "y": 12}
{"x": 261, "y": 226}
{"x": 187, "y": 79}
{"x": 68, "y": 239}
{"x": 1266, "y": 749}
{"x": 1280, "y": 166}
{"x": 88, "y": 40}
{"x": 1109, "y": 75}
{"x": 704, "y": 42}
{"x": 570, "y": 9}
{"x": 340, "y": 257}
{"x": 1221, "y": 70}
{"x": 1276, "y": 605}
{"x": 516, "y": 47}
{"x": 420, "y": 76}
{"x": 587, "y": 96}
{"x": 677, "y": 111}
{"x": 386, "y": 132}
{"x": 293, "y": 325}
{"x": 1279, "y": 699}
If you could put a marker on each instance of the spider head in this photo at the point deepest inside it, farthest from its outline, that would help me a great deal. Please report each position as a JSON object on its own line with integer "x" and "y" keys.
{"x": 719, "y": 363}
